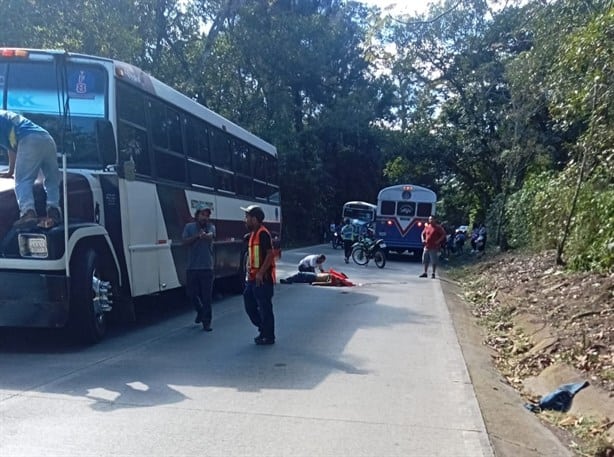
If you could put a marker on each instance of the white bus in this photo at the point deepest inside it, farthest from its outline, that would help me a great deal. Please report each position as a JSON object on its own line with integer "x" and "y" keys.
{"x": 402, "y": 211}
{"x": 140, "y": 157}
{"x": 362, "y": 211}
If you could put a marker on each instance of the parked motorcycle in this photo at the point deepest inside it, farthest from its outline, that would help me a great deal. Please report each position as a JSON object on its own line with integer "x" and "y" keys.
{"x": 368, "y": 248}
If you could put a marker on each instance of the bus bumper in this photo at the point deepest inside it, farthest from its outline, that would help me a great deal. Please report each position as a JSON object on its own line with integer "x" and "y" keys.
{"x": 33, "y": 299}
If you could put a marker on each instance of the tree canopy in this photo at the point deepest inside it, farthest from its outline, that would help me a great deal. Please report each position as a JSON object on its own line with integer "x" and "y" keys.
{"x": 505, "y": 112}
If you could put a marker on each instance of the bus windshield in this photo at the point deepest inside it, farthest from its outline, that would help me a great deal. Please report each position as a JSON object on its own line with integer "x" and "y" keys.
{"x": 34, "y": 89}
{"x": 362, "y": 211}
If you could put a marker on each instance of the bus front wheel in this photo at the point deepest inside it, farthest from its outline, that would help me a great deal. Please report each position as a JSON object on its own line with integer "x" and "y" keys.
{"x": 90, "y": 297}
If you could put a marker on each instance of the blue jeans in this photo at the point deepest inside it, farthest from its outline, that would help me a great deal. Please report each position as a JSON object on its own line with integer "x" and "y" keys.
{"x": 258, "y": 301}
{"x": 35, "y": 152}
{"x": 200, "y": 289}
{"x": 307, "y": 277}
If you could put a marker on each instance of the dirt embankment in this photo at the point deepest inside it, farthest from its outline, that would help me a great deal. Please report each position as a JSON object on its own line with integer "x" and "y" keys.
{"x": 547, "y": 327}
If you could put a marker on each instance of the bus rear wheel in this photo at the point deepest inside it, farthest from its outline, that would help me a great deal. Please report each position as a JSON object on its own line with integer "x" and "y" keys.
{"x": 89, "y": 297}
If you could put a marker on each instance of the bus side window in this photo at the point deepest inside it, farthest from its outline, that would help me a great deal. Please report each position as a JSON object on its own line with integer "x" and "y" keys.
{"x": 197, "y": 139}
{"x": 200, "y": 171}
{"x": 241, "y": 158}
{"x": 170, "y": 162}
{"x": 132, "y": 145}
{"x": 242, "y": 167}
{"x": 131, "y": 130}
{"x": 220, "y": 149}
{"x": 261, "y": 190}
{"x": 260, "y": 164}
{"x": 224, "y": 180}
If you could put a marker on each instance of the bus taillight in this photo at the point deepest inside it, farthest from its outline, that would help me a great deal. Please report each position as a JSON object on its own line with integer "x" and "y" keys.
{"x": 389, "y": 222}
{"x": 420, "y": 224}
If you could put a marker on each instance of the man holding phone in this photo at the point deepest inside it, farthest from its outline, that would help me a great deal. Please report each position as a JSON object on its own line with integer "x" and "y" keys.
{"x": 199, "y": 236}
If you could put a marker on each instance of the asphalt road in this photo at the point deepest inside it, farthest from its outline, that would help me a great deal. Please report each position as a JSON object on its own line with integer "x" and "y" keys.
{"x": 372, "y": 370}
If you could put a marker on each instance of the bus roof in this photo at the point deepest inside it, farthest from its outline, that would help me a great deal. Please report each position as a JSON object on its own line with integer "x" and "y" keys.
{"x": 359, "y": 203}
{"x": 418, "y": 193}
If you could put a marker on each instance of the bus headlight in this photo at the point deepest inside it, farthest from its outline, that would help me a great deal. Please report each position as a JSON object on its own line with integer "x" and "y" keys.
{"x": 33, "y": 245}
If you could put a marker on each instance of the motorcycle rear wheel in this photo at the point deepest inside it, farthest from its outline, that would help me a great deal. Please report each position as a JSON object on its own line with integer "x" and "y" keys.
{"x": 380, "y": 258}
{"x": 359, "y": 256}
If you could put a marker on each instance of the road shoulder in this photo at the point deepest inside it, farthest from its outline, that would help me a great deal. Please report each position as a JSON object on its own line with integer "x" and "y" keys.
{"x": 512, "y": 430}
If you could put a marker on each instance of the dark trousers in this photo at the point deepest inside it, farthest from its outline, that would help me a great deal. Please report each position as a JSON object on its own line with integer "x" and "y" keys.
{"x": 304, "y": 269}
{"x": 258, "y": 301}
{"x": 347, "y": 248}
{"x": 200, "y": 291}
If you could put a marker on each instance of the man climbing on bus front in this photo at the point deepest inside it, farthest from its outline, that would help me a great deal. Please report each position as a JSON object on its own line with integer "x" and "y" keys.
{"x": 30, "y": 149}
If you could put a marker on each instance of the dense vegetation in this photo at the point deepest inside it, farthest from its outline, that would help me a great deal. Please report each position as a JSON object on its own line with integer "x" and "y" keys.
{"x": 506, "y": 112}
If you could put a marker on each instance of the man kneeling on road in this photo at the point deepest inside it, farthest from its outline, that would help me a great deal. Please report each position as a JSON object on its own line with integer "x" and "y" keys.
{"x": 311, "y": 262}
{"x": 307, "y": 269}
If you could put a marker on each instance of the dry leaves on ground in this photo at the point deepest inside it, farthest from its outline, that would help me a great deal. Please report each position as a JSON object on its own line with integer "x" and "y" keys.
{"x": 577, "y": 309}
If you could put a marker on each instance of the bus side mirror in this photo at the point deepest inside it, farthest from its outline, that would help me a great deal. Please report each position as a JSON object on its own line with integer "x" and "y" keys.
{"x": 105, "y": 140}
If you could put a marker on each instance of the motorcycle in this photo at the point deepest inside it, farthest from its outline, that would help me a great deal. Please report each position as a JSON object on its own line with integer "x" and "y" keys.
{"x": 368, "y": 248}
{"x": 336, "y": 240}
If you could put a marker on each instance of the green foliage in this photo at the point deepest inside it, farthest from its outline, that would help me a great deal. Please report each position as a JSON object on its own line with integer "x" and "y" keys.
{"x": 536, "y": 216}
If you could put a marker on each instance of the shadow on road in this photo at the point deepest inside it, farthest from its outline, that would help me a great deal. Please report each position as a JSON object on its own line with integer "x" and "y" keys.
{"x": 129, "y": 371}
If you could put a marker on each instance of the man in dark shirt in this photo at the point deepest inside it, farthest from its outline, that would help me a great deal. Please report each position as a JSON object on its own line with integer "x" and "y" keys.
{"x": 199, "y": 236}
{"x": 258, "y": 294}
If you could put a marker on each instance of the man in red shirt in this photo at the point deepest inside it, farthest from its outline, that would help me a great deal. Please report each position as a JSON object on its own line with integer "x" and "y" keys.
{"x": 433, "y": 236}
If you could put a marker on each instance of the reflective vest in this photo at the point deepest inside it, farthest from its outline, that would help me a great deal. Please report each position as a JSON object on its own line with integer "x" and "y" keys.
{"x": 347, "y": 232}
{"x": 255, "y": 256}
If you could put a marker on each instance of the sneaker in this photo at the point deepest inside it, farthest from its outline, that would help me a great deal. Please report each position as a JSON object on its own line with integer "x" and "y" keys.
{"x": 54, "y": 217}
{"x": 197, "y": 319}
{"x": 54, "y": 214}
{"x": 433, "y": 276}
{"x": 423, "y": 275}
{"x": 264, "y": 341}
{"x": 347, "y": 260}
{"x": 207, "y": 327}
{"x": 29, "y": 219}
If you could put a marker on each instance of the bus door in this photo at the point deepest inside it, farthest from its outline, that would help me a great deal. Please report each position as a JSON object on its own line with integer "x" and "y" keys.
{"x": 140, "y": 229}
